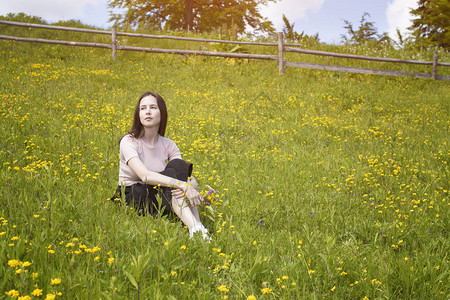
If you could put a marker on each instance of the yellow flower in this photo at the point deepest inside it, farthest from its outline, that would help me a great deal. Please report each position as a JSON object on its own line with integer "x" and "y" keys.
{"x": 254, "y": 243}
{"x": 13, "y": 263}
{"x": 51, "y": 251}
{"x": 110, "y": 260}
{"x": 34, "y": 275}
{"x": 26, "y": 297}
{"x": 26, "y": 264}
{"x": 96, "y": 258}
{"x": 50, "y": 297}
{"x": 333, "y": 288}
{"x": 251, "y": 297}
{"x": 55, "y": 281}
{"x": 183, "y": 247}
{"x": 36, "y": 292}
{"x": 12, "y": 293}
{"x": 266, "y": 290}
{"x": 14, "y": 238}
{"x": 223, "y": 288}
{"x": 285, "y": 277}
{"x": 311, "y": 272}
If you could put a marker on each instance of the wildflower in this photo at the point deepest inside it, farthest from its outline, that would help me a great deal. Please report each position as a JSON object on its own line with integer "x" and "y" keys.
{"x": 26, "y": 264}
{"x": 406, "y": 258}
{"x": 285, "y": 277}
{"x": 55, "y": 281}
{"x": 12, "y": 293}
{"x": 166, "y": 243}
{"x": 266, "y": 290}
{"x": 36, "y": 292}
{"x": 223, "y": 288}
{"x": 34, "y": 275}
{"x": 333, "y": 288}
{"x": 311, "y": 272}
{"x": 254, "y": 243}
{"x": 50, "y": 297}
{"x": 26, "y": 297}
{"x": 183, "y": 247}
{"x": 51, "y": 251}
{"x": 96, "y": 258}
{"x": 110, "y": 260}
{"x": 251, "y": 297}
{"x": 13, "y": 263}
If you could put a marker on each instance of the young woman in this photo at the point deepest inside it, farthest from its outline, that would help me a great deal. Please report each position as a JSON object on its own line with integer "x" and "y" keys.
{"x": 151, "y": 164}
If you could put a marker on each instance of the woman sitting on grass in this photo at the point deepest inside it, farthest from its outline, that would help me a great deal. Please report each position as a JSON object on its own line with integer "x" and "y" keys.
{"x": 151, "y": 165}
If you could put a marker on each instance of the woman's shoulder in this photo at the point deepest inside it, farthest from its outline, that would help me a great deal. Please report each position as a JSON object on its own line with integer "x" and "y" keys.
{"x": 129, "y": 139}
{"x": 167, "y": 142}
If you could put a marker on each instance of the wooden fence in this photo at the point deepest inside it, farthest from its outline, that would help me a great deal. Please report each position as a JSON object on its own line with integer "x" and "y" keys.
{"x": 282, "y": 48}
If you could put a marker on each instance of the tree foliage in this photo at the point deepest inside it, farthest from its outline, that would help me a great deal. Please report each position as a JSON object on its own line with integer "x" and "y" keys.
{"x": 291, "y": 35}
{"x": 190, "y": 15}
{"x": 366, "y": 32}
{"x": 431, "y": 25}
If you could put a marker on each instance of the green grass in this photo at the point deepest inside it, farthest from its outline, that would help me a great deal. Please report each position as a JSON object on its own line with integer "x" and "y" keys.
{"x": 328, "y": 185}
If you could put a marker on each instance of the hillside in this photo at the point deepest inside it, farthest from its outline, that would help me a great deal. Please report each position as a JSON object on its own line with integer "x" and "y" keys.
{"x": 327, "y": 184}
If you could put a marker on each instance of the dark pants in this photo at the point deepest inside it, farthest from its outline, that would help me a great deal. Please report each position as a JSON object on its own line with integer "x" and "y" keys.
{"x": 143, "y": 197}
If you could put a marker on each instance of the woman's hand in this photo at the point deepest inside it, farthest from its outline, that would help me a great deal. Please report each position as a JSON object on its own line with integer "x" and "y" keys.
{"x": 193, "y": 182}
{"x": 193, "y": 196}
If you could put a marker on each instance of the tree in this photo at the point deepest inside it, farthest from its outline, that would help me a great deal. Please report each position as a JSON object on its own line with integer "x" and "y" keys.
{"x": 431, "y": 25}
{"x": 365, "y": 33}
{"x": 191, "y": 15}
{"x": 291, "y": 35}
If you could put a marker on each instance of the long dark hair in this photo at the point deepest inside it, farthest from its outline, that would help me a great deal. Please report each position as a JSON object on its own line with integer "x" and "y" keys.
{"x": 137, "y": 130}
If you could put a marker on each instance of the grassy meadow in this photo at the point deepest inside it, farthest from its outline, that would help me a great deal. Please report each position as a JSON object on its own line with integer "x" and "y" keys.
{"x": 328, "y": 185}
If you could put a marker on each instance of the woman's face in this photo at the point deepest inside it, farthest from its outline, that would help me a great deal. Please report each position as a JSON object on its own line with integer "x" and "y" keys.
{"x": 149, "y": 113}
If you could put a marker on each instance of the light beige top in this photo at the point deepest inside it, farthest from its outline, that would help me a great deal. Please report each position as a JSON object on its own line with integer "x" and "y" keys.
{"x": 155, "y": 158}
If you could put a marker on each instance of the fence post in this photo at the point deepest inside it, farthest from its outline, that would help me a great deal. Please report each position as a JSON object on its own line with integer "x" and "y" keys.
{"x": 280, "y": 54}
{"x": 435, "y": 62}
{"x": 114, "y": 43}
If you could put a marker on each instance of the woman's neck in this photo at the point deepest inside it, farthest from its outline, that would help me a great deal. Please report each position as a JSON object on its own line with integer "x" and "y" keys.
{"x": 150, "y": 136}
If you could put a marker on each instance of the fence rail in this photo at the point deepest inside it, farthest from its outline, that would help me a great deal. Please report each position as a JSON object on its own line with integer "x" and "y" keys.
{"x": 281, "y": 46}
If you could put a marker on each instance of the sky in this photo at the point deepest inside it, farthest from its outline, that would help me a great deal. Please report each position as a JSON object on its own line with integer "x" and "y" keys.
{"x": 325, "y": 17}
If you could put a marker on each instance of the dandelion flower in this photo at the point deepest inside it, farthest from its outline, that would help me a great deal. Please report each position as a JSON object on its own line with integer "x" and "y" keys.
{"x": 13, "y": 293}
{"x": 50, "y": 297}
{"x": 13, "y": 263}
{"x": 223, "y": 288}
{"x": 36, "y": 292}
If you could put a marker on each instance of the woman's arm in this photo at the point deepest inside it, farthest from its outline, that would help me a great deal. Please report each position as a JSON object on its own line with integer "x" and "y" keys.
{"x": 154, "y": 178}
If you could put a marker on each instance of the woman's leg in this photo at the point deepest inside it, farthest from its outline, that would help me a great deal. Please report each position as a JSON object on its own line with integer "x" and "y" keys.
{"x": 188, "y": 215}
